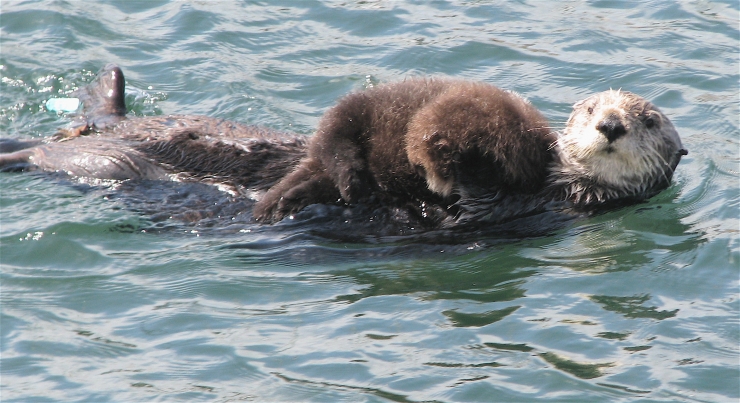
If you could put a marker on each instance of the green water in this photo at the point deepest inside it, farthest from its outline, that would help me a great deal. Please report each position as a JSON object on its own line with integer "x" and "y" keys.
{"x": 639, "y": 304}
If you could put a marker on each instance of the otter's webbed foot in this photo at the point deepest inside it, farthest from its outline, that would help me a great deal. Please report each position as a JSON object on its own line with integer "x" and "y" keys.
{"x": 104, "y": 96}
{"x": 305, "y": 186}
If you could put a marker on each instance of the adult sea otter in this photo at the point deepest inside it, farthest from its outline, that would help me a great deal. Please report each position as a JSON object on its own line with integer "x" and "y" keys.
{"x": 442, "y": 151}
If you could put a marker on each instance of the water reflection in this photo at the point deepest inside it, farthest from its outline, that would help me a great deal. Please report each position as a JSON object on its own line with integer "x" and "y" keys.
{"x": 632, "y": 307}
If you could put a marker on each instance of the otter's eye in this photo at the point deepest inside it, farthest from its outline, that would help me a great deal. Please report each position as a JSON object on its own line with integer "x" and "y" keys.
{"x": 649, "y": 122}
{"x": 590, "y": 110}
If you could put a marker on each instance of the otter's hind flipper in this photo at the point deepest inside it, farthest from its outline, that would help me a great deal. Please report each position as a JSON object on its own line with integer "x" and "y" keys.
{"x": 103, "y": 99}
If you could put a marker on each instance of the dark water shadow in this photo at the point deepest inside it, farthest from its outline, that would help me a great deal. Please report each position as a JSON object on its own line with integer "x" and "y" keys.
{"x": 172, "y": 207}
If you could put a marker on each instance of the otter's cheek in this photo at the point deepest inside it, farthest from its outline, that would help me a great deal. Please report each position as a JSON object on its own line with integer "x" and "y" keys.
{"x": 587, "y": 144}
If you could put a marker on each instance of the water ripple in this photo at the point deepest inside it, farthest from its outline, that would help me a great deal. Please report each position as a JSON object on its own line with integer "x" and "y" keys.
{"x": 106, "y": 298}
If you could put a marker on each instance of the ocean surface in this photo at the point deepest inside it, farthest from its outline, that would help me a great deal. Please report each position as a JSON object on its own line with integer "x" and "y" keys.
{"x": 104, "y": 301}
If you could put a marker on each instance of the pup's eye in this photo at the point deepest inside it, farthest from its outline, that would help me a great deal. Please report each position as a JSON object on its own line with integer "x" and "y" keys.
{"x": 590, "y": 110}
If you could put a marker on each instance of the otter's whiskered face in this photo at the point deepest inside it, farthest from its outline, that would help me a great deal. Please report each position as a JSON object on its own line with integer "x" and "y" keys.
{"x": 619, "y": 139}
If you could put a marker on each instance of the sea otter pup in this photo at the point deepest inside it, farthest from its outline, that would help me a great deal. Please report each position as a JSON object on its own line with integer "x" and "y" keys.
{"x": 453, "y": 143}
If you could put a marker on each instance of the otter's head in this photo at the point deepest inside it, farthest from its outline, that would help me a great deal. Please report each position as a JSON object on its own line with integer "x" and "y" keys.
{"x": 620, "y": 143}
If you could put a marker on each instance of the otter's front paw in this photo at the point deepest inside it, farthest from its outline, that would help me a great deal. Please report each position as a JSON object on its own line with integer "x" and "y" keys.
{"x": 287, "y": 204}
{"x": 306, "y": 185}
{"x": 354, "y": 186}
{"x": 270, "y": 211}
{"x": 440, "y": 183}
{"x": 437, "y": 158}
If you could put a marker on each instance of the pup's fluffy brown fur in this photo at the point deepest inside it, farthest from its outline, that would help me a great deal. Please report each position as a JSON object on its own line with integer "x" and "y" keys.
{"x": 417, "y": 140}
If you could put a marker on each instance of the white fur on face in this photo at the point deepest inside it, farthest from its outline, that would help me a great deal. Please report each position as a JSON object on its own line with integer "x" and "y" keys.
{"x": 635, "y": 158}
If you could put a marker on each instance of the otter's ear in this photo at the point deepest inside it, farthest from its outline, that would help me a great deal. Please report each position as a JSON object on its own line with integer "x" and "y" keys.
{"x": 580, "y": 103}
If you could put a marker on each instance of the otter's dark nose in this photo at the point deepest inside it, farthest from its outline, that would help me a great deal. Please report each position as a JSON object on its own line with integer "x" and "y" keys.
{"x": 611, "y": 127}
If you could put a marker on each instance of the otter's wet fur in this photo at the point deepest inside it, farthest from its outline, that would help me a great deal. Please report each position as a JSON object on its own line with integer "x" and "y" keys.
{"x": 103, "y": 143}
{"x": 475, "y": 151}
{"x": 418, "y": 154}
{"x": 411, "y": 141}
